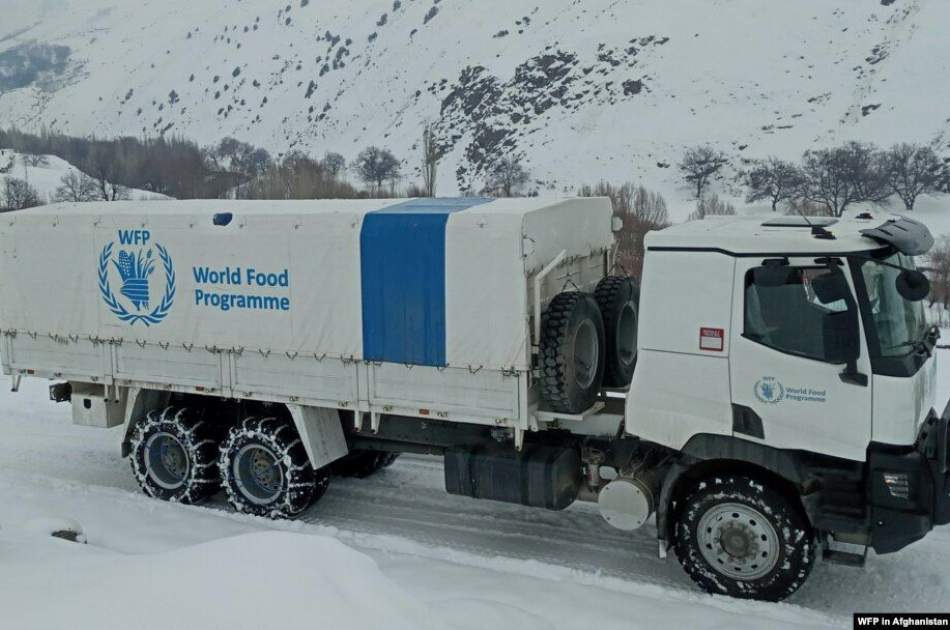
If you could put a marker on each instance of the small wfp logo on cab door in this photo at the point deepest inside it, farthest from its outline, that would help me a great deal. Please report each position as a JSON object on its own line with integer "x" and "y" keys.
{"x": 143, "y": 276}
{"x": 769, "y": 390}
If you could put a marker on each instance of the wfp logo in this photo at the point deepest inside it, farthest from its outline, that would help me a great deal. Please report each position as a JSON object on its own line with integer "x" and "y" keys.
{"x": 132, "y": 270}
{"x": 769, "y": 390}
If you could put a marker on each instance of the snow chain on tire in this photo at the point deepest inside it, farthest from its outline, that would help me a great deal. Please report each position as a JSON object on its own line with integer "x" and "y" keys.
{"x": 572, "y": 352}
{"x": 265, "y": 469}
{"x": 619, "y": 298}
{"x": 737, "y": 536}
{"x": 174, "y": 455}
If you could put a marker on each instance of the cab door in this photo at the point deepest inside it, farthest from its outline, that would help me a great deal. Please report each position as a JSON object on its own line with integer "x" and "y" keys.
{"x": 795, "y": 321}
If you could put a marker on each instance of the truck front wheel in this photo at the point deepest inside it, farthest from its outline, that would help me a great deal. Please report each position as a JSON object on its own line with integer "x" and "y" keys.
{"x": 265, "y": 469}
{"x": 737, "y": 536}
{"x": 174, "y": 455}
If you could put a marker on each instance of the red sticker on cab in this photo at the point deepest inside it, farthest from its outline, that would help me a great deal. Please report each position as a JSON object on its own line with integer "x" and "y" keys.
{"x": 712, "y": 339}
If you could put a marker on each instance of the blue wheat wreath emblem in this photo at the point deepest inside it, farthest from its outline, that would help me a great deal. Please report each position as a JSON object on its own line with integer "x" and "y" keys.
{"x": 135, "y": 269}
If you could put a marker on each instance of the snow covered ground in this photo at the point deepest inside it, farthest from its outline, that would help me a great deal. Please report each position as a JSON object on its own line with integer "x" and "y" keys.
{"x": 392, "y": 551}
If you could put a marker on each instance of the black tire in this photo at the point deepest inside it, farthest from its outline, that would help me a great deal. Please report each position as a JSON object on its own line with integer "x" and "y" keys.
{"x": 618, "y": 298}
{"x": 771, "y": 538}
{"x": 572, "y": 352}
{"x": 265, "y": 470}
{"x": 175, "y": 455}
{"x": 362, "y": 464}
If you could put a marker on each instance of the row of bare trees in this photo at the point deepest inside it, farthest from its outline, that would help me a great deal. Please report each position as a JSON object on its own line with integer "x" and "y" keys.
{"x": 170, "y": 165}
{"x": 177, "y": 167}
{"x": 17, "y": 194}
{"x": 835, "y": 178}
{"x": 828, "y": 180}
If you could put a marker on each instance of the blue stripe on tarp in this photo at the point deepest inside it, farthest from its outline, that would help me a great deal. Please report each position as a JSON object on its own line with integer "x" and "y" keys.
{"x": 402, "y": 264}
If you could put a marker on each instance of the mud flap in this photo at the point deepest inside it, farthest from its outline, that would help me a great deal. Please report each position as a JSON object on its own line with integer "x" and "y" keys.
{"x": 321, "y": 432}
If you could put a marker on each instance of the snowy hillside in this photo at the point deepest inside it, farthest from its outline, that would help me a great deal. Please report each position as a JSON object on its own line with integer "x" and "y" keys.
{"x": 47, "y": 176}
{"x": 584, "y": 90}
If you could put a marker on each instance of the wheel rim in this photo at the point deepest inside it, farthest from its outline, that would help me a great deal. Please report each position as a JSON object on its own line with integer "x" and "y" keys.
{"x": 258, "y": 474}
{"x": 627, "y": 334}
{"x": 166, "y": 460}
{"x": 738, "y": 541}
{"x": 586, "y": 354}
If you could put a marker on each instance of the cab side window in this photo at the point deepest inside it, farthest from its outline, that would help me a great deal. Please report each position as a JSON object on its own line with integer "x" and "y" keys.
{"x": 783, "y": 311}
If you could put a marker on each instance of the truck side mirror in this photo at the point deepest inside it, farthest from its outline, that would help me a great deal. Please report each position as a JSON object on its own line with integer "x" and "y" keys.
{"x": 842, "y": 344}
{"x": 912, "y": 285}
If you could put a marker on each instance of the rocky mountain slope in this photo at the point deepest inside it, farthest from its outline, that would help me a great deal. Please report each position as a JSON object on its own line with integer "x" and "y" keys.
{"x": 581, "y": 89}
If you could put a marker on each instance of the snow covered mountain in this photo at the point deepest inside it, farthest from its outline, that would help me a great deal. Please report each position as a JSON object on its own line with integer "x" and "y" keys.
{"x": 582, "y": 89}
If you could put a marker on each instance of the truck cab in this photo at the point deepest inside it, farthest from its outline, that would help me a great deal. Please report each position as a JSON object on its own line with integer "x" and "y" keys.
{"x": 798, "y": 349}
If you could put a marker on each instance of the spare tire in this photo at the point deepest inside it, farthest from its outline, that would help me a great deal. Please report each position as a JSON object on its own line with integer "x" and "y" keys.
{"x": 619, "y": 299}
{"x": 572, "y": 352}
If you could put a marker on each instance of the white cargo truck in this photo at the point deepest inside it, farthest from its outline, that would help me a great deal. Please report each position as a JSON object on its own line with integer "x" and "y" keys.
{"x": 779, "y": 375}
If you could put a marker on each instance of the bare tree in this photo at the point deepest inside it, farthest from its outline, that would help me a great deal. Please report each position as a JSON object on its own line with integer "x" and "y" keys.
{"x": 841, "y": 176}
{"x": 334, "y": 164}
{"x": 241, "y": 157}
{"x": 801, "y": 206}
{"x": 431, "y": 154}
{"x": 103, "y": 166}
{"x": 75, "y": 186}
{"x": 641, "y": 211}
{"x": 298, "y": 176}
{"x": 910, "y": 171}
{"x": 711, "y": 206}
{"x": 35, "y": 160}
{"x": 774, "y": 180}
{"x": 700, "y": 165}
{"x": 506, "y": 177}
{"x": 943, "y": 177}
{"x": 939, "y": 273}
{"x": 18, "y": 194}
{"x": 375, "y": 166}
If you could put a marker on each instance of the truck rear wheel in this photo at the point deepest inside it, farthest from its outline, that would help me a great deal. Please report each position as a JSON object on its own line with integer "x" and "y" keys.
{"x": 174, "y": 455}
{"x": 266, "y": 471}
{"x": 618, "y": 298}
{"x": 737, "y": 536}
{"x": 572, "y": 352}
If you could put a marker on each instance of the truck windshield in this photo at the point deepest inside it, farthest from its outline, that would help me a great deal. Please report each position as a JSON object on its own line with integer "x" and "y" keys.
{"x": 900, "y": 323}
